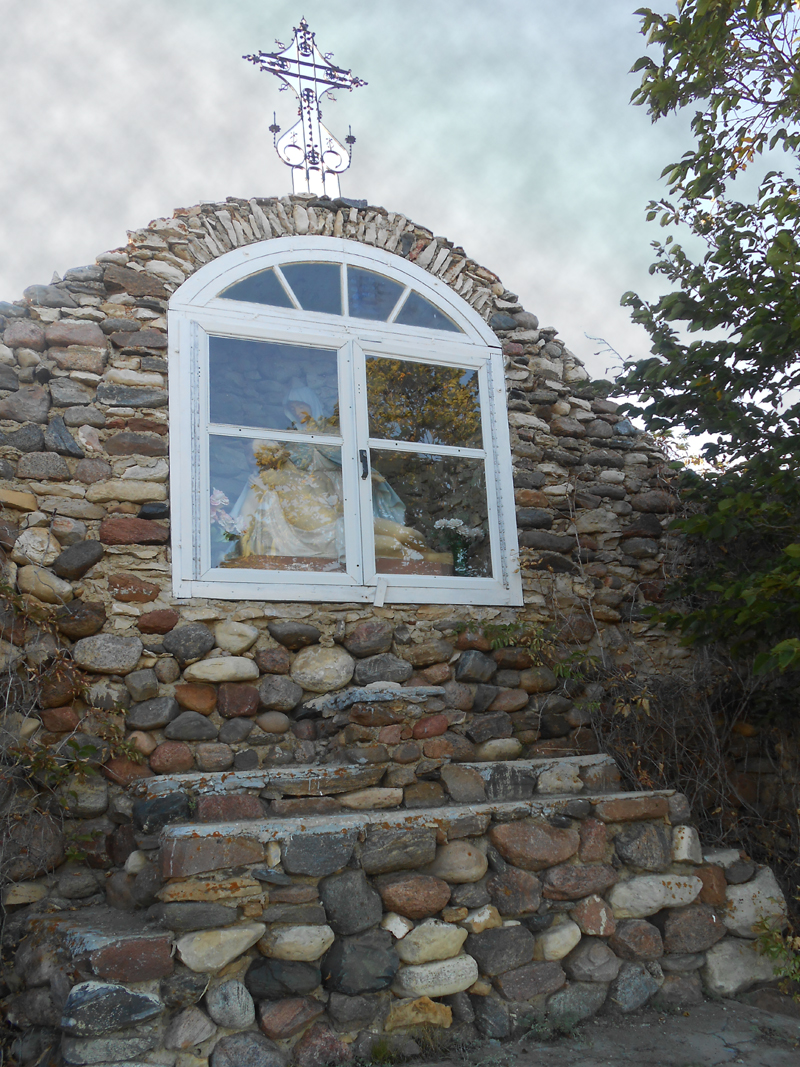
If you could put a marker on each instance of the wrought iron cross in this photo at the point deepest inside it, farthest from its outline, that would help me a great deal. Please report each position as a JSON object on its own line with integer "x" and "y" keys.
{"x": 315, "y": 156}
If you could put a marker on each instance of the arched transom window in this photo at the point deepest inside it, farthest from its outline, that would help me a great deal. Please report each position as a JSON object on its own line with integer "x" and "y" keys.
{"x": 338, "y": 432}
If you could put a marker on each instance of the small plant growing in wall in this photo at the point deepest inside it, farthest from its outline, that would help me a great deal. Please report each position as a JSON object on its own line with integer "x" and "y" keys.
{"x": 784, "y": 950}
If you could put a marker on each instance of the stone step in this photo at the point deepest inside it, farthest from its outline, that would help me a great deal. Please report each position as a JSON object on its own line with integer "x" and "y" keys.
{"x": 322, "y": 844}
{"x": 341, "y": 822}
{"x": 331, "y": 779}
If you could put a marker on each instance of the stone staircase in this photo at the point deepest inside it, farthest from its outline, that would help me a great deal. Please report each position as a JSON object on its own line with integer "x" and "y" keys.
{"x": 302, "y": 914}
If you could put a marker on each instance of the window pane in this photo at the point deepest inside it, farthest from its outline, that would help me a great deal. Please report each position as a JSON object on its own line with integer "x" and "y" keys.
{"x": 317, "y": 286}
{"x": 417, "y": 311}
{"x": 423, "y": 402}
{"x": 272, "y": 386}
{"x": 370, "y": 295}
{"x": 430, "y": 515}
{"x": 261, "y": 288}
{"x": 275, "y": 505}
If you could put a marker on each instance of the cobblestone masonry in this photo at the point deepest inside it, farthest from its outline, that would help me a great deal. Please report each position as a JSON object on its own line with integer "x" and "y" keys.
{"x": 438, "y": 841}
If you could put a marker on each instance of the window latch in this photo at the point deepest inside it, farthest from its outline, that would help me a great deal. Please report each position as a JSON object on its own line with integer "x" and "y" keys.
{"x": 362, "y": 455}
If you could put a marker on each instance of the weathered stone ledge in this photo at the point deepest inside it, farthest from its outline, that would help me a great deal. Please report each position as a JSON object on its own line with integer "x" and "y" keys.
{"x": 279, "y": 829}
{"x": 239, "y": 781}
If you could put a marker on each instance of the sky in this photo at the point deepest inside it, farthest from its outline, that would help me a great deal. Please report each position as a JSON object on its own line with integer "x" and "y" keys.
{"x": 505, "y": 127}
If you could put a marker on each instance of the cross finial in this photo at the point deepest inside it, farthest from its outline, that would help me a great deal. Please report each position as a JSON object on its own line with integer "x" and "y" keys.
{"x": 315, "y": 156}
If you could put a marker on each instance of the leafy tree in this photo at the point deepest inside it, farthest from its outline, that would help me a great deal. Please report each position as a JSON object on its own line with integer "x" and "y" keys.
{"x": 726, "y": 339}
{"x": 423, "y": 402}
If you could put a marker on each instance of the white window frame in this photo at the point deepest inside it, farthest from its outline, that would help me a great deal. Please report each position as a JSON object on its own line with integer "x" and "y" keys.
{"x": 195, "y": 311}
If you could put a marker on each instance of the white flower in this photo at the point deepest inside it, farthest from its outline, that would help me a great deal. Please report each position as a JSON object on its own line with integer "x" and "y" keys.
{"x": 448, "y": 524}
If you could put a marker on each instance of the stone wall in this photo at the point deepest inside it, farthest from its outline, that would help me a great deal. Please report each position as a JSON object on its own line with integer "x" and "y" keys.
{"x": 243, "y": 714}
{"x": 360, "y": 933}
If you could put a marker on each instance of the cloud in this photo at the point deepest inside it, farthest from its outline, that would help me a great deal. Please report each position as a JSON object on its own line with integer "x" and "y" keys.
{"x": 505, "y": 127}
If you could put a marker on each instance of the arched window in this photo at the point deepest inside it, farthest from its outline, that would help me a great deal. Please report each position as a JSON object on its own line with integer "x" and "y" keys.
{"x": 338, "y": 432}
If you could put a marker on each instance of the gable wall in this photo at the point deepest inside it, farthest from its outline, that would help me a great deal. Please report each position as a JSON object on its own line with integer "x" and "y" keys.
{"x": 84, "y": 489}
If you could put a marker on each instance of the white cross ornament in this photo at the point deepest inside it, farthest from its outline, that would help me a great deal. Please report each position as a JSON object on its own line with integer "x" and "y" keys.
{"x": 315, "y": 156}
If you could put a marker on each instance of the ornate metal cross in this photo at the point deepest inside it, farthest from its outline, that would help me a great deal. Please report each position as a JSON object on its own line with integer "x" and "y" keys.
{"x": 315, "y": 156}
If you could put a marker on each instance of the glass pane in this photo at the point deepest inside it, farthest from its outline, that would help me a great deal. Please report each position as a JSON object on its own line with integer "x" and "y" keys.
{"x": 273, "y": 386}
{"x": 275, "y": 505}
{"x": 417, "y": 311}
{"x": 423, "y": 402}
{"x": 317, "y": 286}
{"x": 430, "y": 515}
{"x": 262, "y": 288}
{"x": 371, "y": 296}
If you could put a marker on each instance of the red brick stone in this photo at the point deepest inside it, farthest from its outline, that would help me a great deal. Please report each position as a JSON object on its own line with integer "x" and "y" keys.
{"x": 512, "y": 659}
{"x": 376, "y": 714}
{"x": 577, "y": 630}
{"x": 569, "y": 882}
{"x": 430, "y": 726}
{"x": 228, "y": 808}
{"x": 472, "y": 639}
{"x": 437, "y": 748}
{"x": 284, "y": 1018}
{"x": 628, "y": 809}
{"x": 594, "y": 839}
{"x": 714, "y": 884}
{"x": 172, "y": 757}
{"x": 531, "y": 980}
{"x": 128, "y": 531}
{"x": 135, "y": 444}
{"x": 534, "y": 845}
{"x": 305, "y": 730}
{"x": 124, "y": 771}
{"x": 236, "y": 700}
{"x": 509, "y": 700}
{"x": 370, "y": 638}
{"x": 158, "y": 622}
{"x": 636, "y": 939}
{"x": 695, "y": 928}
{"x": 595, "y": 917}
{"x": 59, "y": 720}
{"x": 148, "y": 426}
{"x": 130, "y": 589}
{"x": 273, "y": 660}
{"x": 65, "y": 333}
{"x": 196, "y": 696}
{"x": 23, "y": 333}
{"x": 59, "y": 686}
{"x": 438, "y": 674}
{"x": 134, "y": 959}
{"x": 320, "y": 1046}
{"x": 532, "y": 498}
{"x": 416, "y": 896}
{"x": 183, "y": 856}
{"x": 391, "y": 735}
